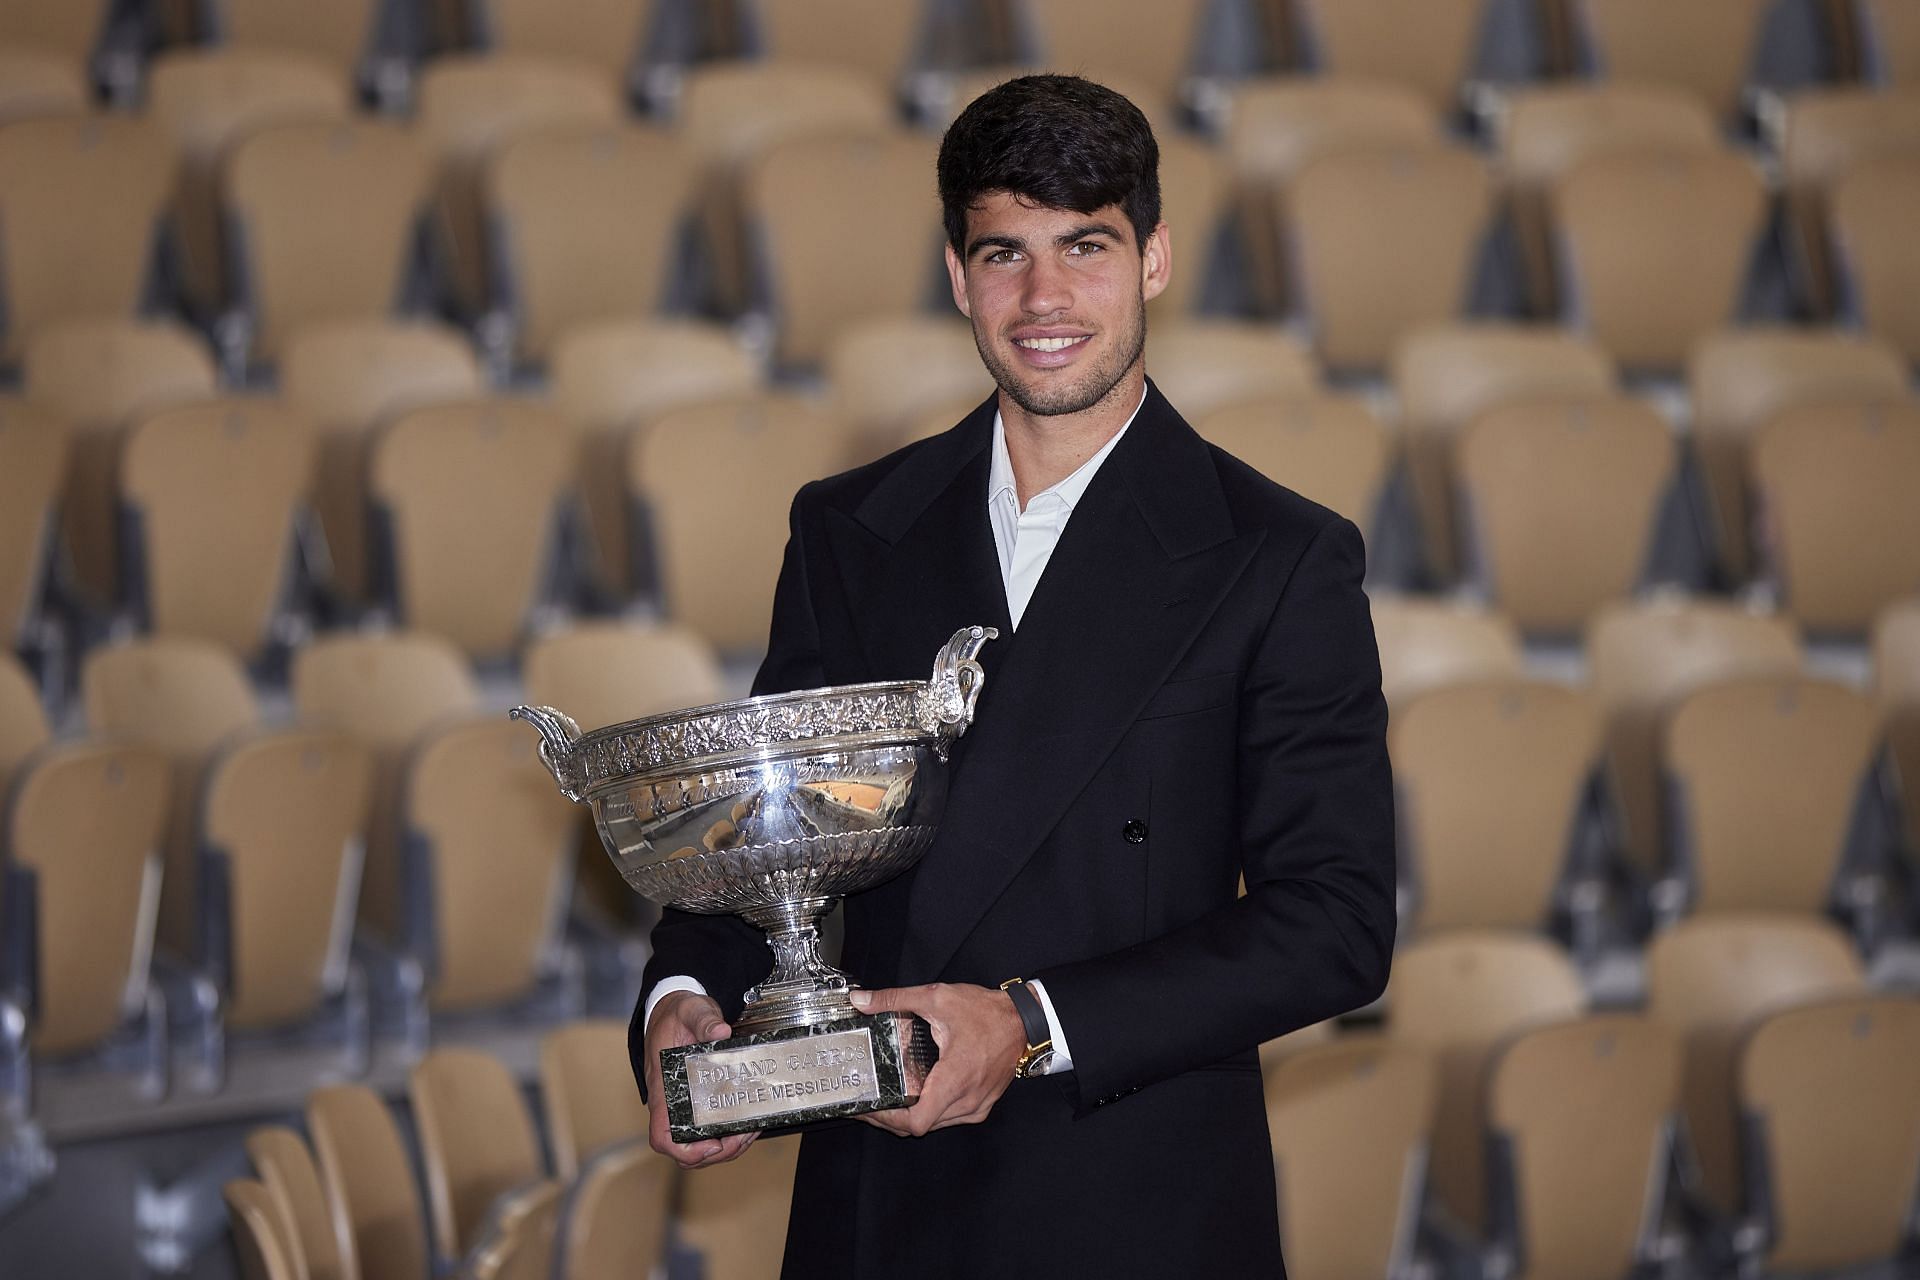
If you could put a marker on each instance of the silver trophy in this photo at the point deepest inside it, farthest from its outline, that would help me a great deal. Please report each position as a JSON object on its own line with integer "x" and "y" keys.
{"x": 772, "y": 808}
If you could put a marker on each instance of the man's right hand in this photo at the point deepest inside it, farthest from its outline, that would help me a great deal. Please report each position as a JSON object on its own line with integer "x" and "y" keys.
{"x": 685, "y": 1017}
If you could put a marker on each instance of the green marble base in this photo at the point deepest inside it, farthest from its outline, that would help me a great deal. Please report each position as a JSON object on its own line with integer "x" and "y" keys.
{"x": 780, "y": 1079}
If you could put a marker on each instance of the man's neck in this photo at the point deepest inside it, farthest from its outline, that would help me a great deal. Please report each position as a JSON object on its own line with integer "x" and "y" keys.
{"x": 1045, "y": 450}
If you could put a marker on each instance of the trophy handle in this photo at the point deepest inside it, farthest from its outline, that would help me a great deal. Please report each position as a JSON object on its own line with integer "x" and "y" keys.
{"x": 956, "y": 684}
{"x": 558, "y": 733}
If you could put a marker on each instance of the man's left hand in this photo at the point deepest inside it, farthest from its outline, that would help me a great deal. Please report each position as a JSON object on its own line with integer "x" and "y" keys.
{"x": 980, "y": 1037}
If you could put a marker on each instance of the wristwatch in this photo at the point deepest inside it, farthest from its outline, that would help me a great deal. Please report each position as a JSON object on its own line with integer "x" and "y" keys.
{"x": 1039, "y": 1051}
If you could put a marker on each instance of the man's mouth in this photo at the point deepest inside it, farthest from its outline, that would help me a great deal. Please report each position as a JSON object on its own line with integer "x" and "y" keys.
{"x": 1051, "y": 344}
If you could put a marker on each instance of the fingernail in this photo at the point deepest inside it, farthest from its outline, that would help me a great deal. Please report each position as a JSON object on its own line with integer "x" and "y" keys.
{"x": 860, "y": 999}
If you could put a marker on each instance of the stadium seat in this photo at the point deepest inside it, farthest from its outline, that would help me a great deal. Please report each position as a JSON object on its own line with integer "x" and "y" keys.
{"x": 587, "y": 225}
{"x": 1196, "y": 199}
{"x": 374, "y": 1200}
{"x": 1102, "y": 38}
{"x": 350, "y": 35}
{"x": 1890, "y": 42}
{"x": 717, "y": 578}
{"x": 615, "y": 1219}
{"x": 1834, "y": 485}
{"x": 1448, "y": 375}
{"x": 1710, "y": 977}
{"x": 1655, "y": 248}
{"x": 1491, "y": 779}
{"x": 261, "y": 1236}
{"x": 587, "y": 1094}
{"x": 1825, "y": 134}
{"x": 517, "y": 1238}
{"x": 1428, "y": 644}
{"x": 1349, "y": 1121}
{"x": 477, "y": 1142}
{"x": 72, "y": 29}
{"x": 1426, "y": 45}
{"x": 328, "y": 219}
{"x": 1705, "y": 47}
{"x": 603, "y": 673}
{"x": 1896, "y": 654}
{"x": 1331, "y": 448}
{"x": 209, "y": 558}
{"x": 734, "y": 1215}
{"x": 347, "y": 378}
{"x": 1831, "y": 1132}
{"x": 1202, "y": 365}
{"x": 611, "y": 34}
{"x": 863, "y": 371}
{"x": 33, "y": 465}
{"x": 878, "y": 39}
{"x": 1386, "y": 241}
{"x": 283, "y": 1163}
{"x": 1879, "y": 263}
{"x": 35, "y": 83}
{"x": 23, "y": 721}
{"x": 82, "y": 202}
{"x": 1561, "y": 498}
{"x": 1738, "y": 380}
{"x": 467, "y": 495}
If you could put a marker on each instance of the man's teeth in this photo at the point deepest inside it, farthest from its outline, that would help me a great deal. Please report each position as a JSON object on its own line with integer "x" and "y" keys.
{"x": 1049, "y": 344}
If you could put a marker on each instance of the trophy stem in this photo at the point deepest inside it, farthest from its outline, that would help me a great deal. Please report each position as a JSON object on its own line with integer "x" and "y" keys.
{"x": 803, "y": 990}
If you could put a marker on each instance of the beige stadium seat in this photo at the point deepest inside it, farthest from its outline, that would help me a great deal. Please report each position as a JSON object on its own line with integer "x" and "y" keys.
{"x": 1710, "y": 978}
{"x": 1332, "y": 448}
{"x": 517, "y": 1240}
{"x": 283, "y": 1163}
{"x": 1459, "y": 995}
{"x": 1764, "y": 774}
{"x": 1705, "y": 47}
{"x": 1196, "y": 198}
{"x": 34, "y": 445}
{"x": 718, "y": 579}
{"x": 588, "y": 226}
{"x": 68, "y": 27}
{"x": 469, "y": 492}
{"x": 877, "y": 38}
{"x": 1548, "y": 131}
{"x": 81, "y": 203}
{"x": 1890, "y": 32}
{"x": 1871, "y": 214}
{"x": 341, "y": 31}
{"x": 1587, "y": 1175}
{"x": 1654, "y": 249}
{"x": 801, "y": 194}
{"x": 603, "y": 673}
{"x": 1204, "y": 365}
{"x": 347, "y": 378}
{"x": 35, "y": 83}
{"x": 23, "y": 721}
{"x": 1561, "y": 498}
{"x": 615, "y": 1220}
{"x": 375, "y": 1203}
{"x": 1429, "y": 644}
{"x": 1386, "y": 241}
{"x": 489, "y": 872}
{"x": 1826, "y": 134}
{"x": 328, "y": 217}
{"x": 1835, "y": 487}
{"x": 1098, "y": 38}
{"x": 1349, "y": 1123}
{"x": 586, "y": 1090}
{"x": 1163, "y": 114}
{"x": 1427, "y": 45}
{"x": 734, "y": 1215}
{"x": 1896, "y": 654}
{"x": 1643, "y": 658}
{"x": 1448, "y": 375}
{"x": 1739, "y": 379}
{"x": 260, "y": 1233}
{"x": 611, "y": 34}
{"x": 1490, "y": 781}
{"x": 207, "y": 100}
{"x": 215, "y": 557}
{"x": 1828, "y": 1091}
{"x": 99, "y": 375}
{"x": 863, "y": 367}
{"x": 477, "y": 1141}
{"x": 85, "y": 821}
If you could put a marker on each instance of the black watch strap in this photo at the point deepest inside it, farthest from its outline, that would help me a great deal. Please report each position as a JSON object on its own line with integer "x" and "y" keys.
{"x": 1033, "y": 1019}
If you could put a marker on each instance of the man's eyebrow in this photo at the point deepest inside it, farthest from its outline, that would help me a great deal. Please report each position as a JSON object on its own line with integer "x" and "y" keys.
{"x": 1086, "y": 229}
{"x": 997, "y": 242}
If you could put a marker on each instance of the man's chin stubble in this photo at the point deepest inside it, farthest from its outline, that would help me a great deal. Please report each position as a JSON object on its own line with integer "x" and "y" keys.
{"x": 1077, "y": 398}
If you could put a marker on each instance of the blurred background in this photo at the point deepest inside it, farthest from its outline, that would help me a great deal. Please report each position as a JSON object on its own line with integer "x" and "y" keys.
{"x": 368, "y": 366}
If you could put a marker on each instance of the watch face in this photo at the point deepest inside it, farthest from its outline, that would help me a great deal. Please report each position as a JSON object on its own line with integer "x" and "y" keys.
{"x": 1037, "y": 1064}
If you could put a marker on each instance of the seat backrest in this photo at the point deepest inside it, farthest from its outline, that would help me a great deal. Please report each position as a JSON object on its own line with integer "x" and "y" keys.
{"x": 364, "y": 1166}
{"x": 1350, "y": 1122}
{"x": 1738, "y": 380}
{"x": 1705, "y": 47}
{"x": 1386, "y": 241}
{"x": 735, "y": 1214}
{"x": 286, "y": 811}
{"x": 1585, "y": 1110}
{"x": 608, "y": 33}
{"x": 33, "y": 460}
{"x": 216, "y": 554}
{"x": 1654, "y": 248}
{"x": 603, "y": 673}
{"x": 1868, "y": 211}
{"x": 1276, "y": 125}
{"x": 284, "y": 1164}
{"x": 1332, "y": 448}
{"x": 870, "y": 397}
{"x": 586, "y": 1089}
{"x": 1490, "y": 778}
{"x": 1428, "y": 644}
{"x": 81, "y": 200}
{"x": 877, "y": 38}
{"x": 71, "y": 27}
{"x": 87, "y": 820}
{"x": 1827, "y": 133}
{"x": 516, "y": 1239}
{"x": 590, "y": 221}
{"x": 260, "y": 1233}
{"x": 615, "y": 1220}
{"x": 1710, "y": 977}
{"x": 1206, "y": 364}
{"x": 476, "y": 1141}
{"x": 1560, "y": 499}
{"x": 1835, "y": 485}
{"x": 340, "y": 32}
{"x": 1896, "y": 654}
{"x": 1196, "y": 194}
{"x": 36, "y": 83}
{"x": 1891, "y": 32}
{"x": 1100, "y": 37}
{"x": 23, "y": 721}
{"x": 385, "y": 688}
{"x": 498, "y": 842}
{"x": 471, "y": 491}
{"x": 1427, "y": 46}
{"x": 612, "y": 375}
{"x": 1832, "y": 1084}
{"x": 328, "y": 217}
{"x": 731, "y": 112}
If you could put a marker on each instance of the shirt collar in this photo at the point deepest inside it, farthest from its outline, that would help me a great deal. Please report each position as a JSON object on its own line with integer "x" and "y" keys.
{"x": 1000, "y": 472}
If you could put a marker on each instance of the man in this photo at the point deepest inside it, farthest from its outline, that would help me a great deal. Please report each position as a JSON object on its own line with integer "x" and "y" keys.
{"x": 1185, "y": 692}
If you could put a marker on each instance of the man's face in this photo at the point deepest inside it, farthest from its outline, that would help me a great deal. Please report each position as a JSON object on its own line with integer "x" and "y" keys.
{"x": 1057, "y": 299}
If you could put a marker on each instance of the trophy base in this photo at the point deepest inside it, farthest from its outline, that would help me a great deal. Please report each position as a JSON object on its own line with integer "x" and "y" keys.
{"x": 795, "y": 1076}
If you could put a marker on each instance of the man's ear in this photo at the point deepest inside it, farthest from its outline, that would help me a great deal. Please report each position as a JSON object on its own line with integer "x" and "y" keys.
{"x": 957, "y": 277}
{"x": 1156, "y": 263}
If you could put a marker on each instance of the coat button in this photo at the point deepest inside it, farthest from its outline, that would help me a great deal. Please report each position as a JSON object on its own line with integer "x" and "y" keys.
{"x": 1135, "y": 831}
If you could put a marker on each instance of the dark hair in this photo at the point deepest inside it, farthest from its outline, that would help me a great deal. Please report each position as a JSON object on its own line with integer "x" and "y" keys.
{"x": 1060, "y": 142}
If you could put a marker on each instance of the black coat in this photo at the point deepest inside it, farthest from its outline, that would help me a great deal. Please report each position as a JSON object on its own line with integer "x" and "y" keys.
{"x": 1197, "y": 660}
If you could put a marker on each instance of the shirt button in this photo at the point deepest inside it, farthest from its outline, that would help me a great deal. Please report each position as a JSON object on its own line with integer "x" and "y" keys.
{"x": 1135, "y": 831}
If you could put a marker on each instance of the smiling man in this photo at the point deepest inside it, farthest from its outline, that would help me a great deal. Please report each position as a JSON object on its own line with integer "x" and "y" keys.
{"x": 1186, "y": 693}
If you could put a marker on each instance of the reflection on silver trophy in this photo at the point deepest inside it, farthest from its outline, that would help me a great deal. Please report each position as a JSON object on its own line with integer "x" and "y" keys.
{"x": 772, "y": 808}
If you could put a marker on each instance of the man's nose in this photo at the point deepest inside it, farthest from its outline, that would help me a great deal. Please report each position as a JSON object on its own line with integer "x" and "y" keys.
{"x": 1049, "y": 288}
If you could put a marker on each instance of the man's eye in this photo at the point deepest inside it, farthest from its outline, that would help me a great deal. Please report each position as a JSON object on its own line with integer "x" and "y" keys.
{"x": 1002, "y": 255}
{"x": 1086, "y": 247}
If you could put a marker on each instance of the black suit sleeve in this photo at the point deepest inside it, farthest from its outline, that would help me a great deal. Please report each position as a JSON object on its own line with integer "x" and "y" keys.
{"x": 1313, "y": 936}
